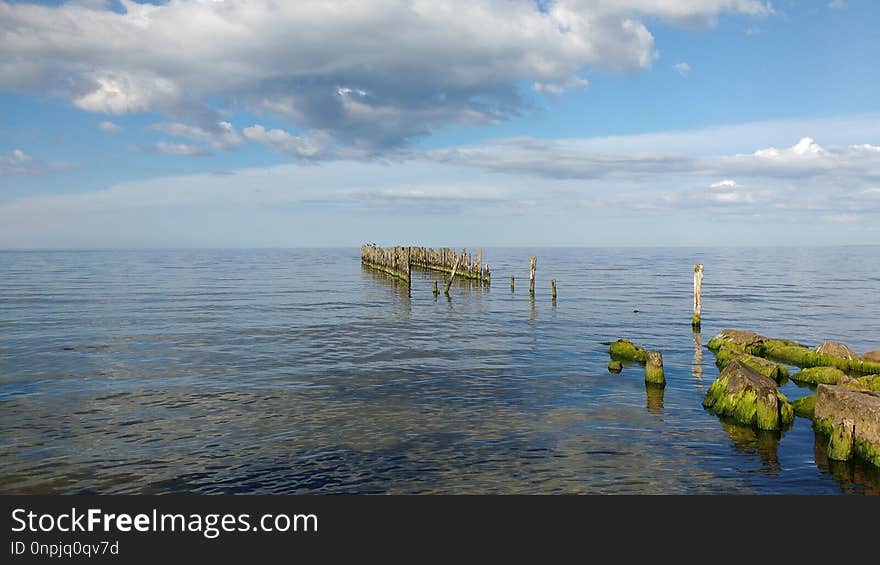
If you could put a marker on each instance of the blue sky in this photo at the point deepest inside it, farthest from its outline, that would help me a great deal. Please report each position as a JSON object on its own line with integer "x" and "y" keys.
{"x": 503, "y": 122}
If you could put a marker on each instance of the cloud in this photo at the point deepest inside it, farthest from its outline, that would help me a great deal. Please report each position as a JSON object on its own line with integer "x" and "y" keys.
{"x": 109, "y": 127}
{"x": 221, "y": 135}
{"x": 837, "y": 5}
{"x": 682, "y": 68}
{"x": 393, "y": 71}
{"x": 17, "y": 162}
{"x": 169, "y": 148}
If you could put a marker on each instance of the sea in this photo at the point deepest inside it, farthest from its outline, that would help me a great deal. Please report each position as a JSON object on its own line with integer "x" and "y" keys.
{"x": 292, "y": 371}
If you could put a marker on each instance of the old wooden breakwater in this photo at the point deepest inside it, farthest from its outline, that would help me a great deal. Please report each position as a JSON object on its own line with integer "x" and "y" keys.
{"x": 399, "y": 262}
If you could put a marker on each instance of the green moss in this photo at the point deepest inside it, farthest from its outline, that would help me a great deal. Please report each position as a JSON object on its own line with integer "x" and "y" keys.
{"x": 803, "y": 407}
{"x": 625, "y": 350}
{"x": 871, "y": 382}
{"x": 802, "y": 356}
{"x": 746, "y": 408}
{"x": 654, "y": 375}
{"x": 870, "y": 452}
{"x": 775, "y": 371}
{"x": 695, "y": 321}
{"x": 840, "y": 443}
{"x": 786, "y": 411}
{"x": 615, "y": 367}
{"x": 819, "y": 375}
{"x": 822, "y": 425}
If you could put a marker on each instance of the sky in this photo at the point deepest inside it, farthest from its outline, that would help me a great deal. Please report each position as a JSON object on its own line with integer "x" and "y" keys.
{"x": 231, "y": 123}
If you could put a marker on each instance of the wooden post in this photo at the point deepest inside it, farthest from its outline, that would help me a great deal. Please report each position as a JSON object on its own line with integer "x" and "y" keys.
{"x": 698, "y": 287}
{"x": 533, "y": 262}
{"x": 454, "y": 268}
{"x": 553, "y": 285}
{"x": 478, "y": 266}
{"x": 436, "y": 290}
{"x": 654, "y": 368}
{"x": 511, "y": 283}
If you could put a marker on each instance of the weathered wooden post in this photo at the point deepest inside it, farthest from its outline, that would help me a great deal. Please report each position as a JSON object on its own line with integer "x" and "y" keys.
{"x": 436, "y": 290}
{"x": 511, "y": 283}
{"x": 654, "y": 368}
{"x": 698, "y": 288}
{"x": 452, "y": 276}
{"x": 533, "y": 262}
{"x": 553, "y": 286}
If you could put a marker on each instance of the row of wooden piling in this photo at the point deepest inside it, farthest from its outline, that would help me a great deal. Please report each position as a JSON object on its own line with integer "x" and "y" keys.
{"x": 450, "y": 261}
{"x": 394, "y": 261}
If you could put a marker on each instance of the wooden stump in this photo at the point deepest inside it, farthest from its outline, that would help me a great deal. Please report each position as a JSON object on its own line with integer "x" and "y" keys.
{"x": 511, "y": 283}
{"x": 698, "y": 289}
{"x": 654, "y": 368}
{"x": 533, "y": 262}
{"x": 553, "y": 286}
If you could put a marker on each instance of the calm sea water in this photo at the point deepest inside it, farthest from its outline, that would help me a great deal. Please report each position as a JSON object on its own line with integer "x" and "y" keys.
{"x": 297, "y": 371}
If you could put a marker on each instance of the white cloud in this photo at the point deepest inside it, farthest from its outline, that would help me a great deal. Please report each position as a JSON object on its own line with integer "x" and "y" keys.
{"x": 837, "y": 4}
{"x": 109, "y": 127}
{"x": 170, "y": 148}
{"x": 682, "y": 68}
{"x": 221, "y": 135}
{"x": 726, "y": 183}
{"x": 369, "y": 74}
{"x": 17, "y": 162}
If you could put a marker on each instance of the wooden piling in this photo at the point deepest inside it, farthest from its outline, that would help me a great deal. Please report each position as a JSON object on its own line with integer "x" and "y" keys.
{"x": 454, "y": 268}
{"x": 399, "y": 261}
{"x": 553, "y": 286}
{"x": 533, "y": 262}
{"x": 698, "y": 289}
{"x": 436, "y": 290}
{"x": 511, "y": 283}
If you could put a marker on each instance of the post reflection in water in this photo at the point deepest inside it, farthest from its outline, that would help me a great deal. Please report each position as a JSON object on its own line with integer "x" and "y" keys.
{"x": 654, "y": 395}
{"x": 697, "y": 365}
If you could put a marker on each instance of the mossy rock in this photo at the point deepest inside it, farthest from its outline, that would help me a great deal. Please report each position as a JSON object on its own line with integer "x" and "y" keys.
{"x": 768, "y": 368}
{"x": 819, "y": 375}
{"x": 615, "y": 367}
{"x": 790, "y": 352}
{"x": 803, "y": 407}
{"x": 624, "y": 350}
{"x": 836, "y": 349}
{"x": 849, "y": 418}
{"x": 871, "y": 382}
{"x": 748, "y": 397}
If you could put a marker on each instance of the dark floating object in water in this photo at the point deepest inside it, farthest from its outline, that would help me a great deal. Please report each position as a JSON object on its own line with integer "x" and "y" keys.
{"x": 635, "y": 311}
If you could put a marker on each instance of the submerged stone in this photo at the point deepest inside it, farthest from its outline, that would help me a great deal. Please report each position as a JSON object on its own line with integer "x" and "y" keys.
{"x": 654, "y": 368}
{"x": 615, "y": 366}
{"x": 624, "y": 349}
{"x": 803, "y": 407}
{"x": 768, "y": 368}
{"x": 748, "y": 397}
{"x": 837, "y": 410}
{"x": 817, "y": 375}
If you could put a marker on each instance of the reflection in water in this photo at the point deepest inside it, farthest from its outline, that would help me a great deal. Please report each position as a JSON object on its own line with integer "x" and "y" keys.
{"x": 654, "y": 394}
{"x": 532, "y": 312}
{"x": 697, "y": 365}
{"x": 749, "y": 440}
{"x": 853, "y": 476}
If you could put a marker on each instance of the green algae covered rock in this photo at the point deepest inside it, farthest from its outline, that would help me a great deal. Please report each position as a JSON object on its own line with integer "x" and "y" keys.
{"x": 654, "y": 368}
{"x": 749, "y": 398}
{"x": 624, "y": 350}
{"x": 775, "y": 371}
{"x": 871, "y": 382}
{"x": 803, "y": 407}
{"x": 851, "y": 420}
{"x": 615, "y": 367}
{"x": 817, "y": 375}
{"x": 791, "y": 352}
{"x": 836, "y": 349}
